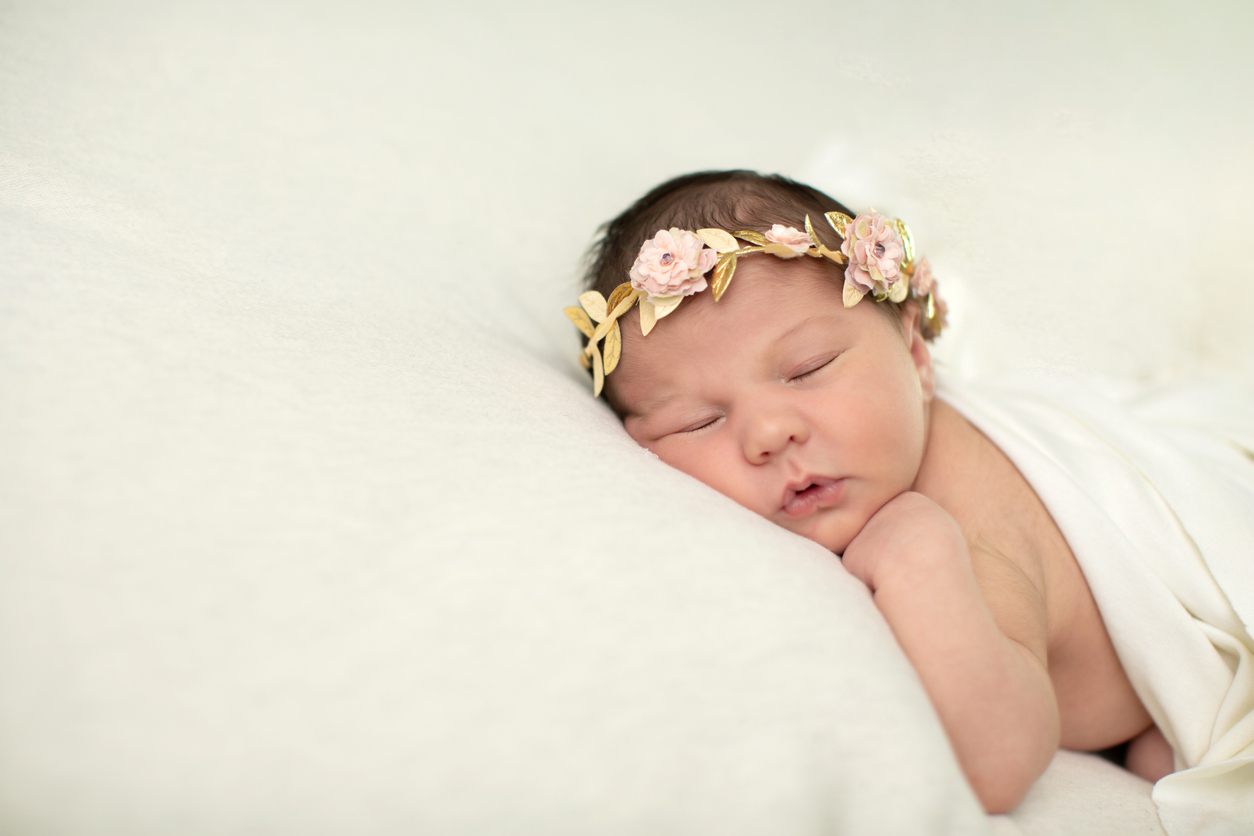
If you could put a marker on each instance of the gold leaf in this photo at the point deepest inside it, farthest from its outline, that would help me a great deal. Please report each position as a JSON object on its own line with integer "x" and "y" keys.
{"x": 839, "y": 221}
{"x": 907, "y": 241}
{"x": 648, "y": 315}
{"x": 897, "y": 293}
{"x": 853, "y": 294}
{"x": 598, "y": 375}
{"x": 617, "y": 296}
{"x": 718, "y": 240}
{"x": 625, "y": 303}
{"x": 613, "y": 348}
{"x": 594, "y": 304}
{"x": 781, "y": 250}
{"x": 814, "y": 237}
{"x": 835, "y": 255}
{"x": 665, "y": 305}
{"x": 723, "y": 272}
{"x": 751, "y": 236}
{"x": 581, "y": 320}
{"x": 584, "y": 361}
{"x": 602, "y": 330}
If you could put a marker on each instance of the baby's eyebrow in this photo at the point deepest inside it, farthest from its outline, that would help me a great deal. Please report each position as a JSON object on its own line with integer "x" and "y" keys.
{"x": 802, "y": 325}
{"x": 650, "y": 407}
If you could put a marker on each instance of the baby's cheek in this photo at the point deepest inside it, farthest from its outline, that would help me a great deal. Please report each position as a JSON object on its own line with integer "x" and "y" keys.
{"x": 713, "y": 464}
{"x": 692, "y": 461}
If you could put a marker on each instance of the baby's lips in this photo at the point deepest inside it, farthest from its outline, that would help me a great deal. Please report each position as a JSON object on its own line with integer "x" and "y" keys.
{"x": 805, "y": 495}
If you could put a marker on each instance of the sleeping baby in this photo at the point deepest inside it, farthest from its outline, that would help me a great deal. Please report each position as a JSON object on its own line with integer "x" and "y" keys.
{"x": 756, "y": 334}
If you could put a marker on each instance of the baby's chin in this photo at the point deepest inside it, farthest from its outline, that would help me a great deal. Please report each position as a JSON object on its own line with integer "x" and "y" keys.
{"x": 833, "y": 535}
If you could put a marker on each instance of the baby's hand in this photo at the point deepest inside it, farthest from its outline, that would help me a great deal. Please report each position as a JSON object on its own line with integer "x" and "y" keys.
{"x": 911, "y": 535}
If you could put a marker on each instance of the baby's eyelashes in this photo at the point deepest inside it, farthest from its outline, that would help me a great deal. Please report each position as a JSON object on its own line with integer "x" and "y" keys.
{"x": 810, "y": 367}
{"x": 704, "y": 423}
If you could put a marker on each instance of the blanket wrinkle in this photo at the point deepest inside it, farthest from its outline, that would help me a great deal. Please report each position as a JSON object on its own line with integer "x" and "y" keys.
{"x": 1155, "y": 495}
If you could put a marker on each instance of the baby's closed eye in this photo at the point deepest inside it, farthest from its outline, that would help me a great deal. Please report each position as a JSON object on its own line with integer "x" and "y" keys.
{"x": 811, "y": 367}
{"x": 703, "y": 424}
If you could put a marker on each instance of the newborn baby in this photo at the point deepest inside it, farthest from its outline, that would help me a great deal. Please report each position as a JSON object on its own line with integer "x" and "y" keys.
{"x": 806, "y": 393}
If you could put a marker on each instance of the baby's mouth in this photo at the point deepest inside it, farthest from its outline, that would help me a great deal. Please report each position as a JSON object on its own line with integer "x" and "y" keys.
{"x": 813, "y": 492}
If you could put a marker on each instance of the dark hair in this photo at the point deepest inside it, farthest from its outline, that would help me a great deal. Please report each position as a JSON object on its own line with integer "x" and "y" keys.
{"x": 729, "y": 200}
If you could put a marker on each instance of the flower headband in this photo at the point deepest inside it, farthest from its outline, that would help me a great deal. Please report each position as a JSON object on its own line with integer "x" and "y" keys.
{"x": 878, "y": 253}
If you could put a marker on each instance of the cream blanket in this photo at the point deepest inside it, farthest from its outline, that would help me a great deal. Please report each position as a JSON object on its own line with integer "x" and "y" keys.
{"x": 1155, "y": 495}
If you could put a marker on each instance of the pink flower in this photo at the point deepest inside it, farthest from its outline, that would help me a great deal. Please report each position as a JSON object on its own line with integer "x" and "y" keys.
{"x": 874, "y": 250}
{"x": 922, "y": 283}
{"x": 793, "y": 239}
{"x": 672, "y": 263}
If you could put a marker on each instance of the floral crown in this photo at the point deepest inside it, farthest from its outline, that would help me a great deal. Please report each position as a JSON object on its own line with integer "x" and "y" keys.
{"x": 878, "y": 253}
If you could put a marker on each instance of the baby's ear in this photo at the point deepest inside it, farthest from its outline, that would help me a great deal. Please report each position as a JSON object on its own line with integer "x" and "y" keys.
{"x": 912, "y": 330}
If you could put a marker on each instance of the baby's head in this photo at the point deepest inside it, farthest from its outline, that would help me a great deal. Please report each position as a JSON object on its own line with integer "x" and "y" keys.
{"x": 792, "y": 393}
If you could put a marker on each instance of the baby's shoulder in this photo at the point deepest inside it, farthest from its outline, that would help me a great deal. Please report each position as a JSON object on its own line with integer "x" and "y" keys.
{"x": 1018, "y": 554}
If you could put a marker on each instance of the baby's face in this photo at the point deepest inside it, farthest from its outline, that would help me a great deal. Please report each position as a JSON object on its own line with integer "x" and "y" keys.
{"x": 809, "y": 413}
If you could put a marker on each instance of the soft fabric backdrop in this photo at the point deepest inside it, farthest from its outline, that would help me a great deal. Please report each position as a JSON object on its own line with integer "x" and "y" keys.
{"x": 307, "y": 522}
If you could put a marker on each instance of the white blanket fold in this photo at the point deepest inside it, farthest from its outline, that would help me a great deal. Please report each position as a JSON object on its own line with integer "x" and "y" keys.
{"x": 1155, "y": 496}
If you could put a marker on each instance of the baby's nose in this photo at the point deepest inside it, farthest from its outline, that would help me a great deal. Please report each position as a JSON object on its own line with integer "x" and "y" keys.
{"x": 768, "y": 433}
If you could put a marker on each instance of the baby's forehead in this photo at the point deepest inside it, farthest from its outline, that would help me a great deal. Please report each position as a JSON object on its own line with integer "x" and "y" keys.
{"x": 765, "y": 292}
{"x": 768, "y": 303}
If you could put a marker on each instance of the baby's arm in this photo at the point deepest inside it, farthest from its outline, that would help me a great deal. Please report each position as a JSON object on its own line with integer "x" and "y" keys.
{"x": 986, "y": 674}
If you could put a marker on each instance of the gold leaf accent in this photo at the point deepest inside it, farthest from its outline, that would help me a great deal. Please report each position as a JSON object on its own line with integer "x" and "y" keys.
{"x": 781, "y": 250}
{"x": 897, "y": 293}
{"x": 665, "y": 305}
{"x": 751, "y": 236}
{"x": 907, "y": 241}
{"x": 853, "y": 294}
{"x": 723, "y": 272}
{"x": 625, "y": 303}
{"x": 839, "y": 221}
{"x": 648, "y": 315}
{"x": 617, "y": 296}
{"x": 835, "y": 255}
{"x": 718, "y": 240}
{"x": 613, "y": 348}
{"x": 581, "y": 320}
{"x": 814, "y": 236}
{"x": 602, "y": 330}
{"x": 584, "y": 361}
{"x": 594, "y": 304}
{"x": 598, "y": 375}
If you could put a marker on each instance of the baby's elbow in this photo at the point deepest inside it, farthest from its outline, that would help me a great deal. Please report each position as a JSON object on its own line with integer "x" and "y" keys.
{"x": 1000, "y": 793}
{"x": 1002, "y": 782}
{"x": 1001, "y": 789}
